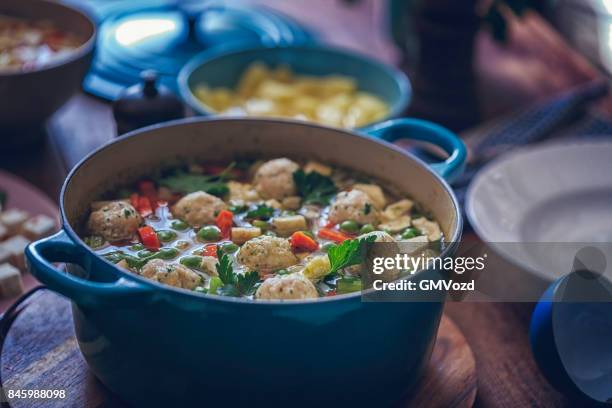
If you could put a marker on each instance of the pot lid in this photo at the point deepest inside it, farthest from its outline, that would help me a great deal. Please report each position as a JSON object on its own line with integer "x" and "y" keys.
{"x": 163, "y": 35}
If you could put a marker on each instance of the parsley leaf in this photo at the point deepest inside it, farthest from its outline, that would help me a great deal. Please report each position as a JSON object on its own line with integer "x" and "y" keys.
{"x": 348, "y": 253}
{"x": 224, "y": 268}
{"x": 183, "y": 182}
{"x": 246, "y": 283}
{"x": 234, "y": 284}
{"x": 261, "y": 212}
{"x": 314, "y": 187}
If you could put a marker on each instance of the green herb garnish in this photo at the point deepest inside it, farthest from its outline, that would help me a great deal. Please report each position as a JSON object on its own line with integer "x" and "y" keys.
{"x": 183, "y": 182}
{"x": 314, "y": 187}
{"x": 348, "y": 253}
{"x": 234, "y": 284}
{"x": 260, "y": 212}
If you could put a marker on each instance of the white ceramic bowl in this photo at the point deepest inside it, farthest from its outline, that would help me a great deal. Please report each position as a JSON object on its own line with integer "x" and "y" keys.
{"x": 536, "y": 206}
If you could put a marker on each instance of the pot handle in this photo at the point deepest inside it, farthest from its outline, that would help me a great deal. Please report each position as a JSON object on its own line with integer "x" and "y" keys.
{"x": 417, "y": 129}
{"x": 60, "y": 248}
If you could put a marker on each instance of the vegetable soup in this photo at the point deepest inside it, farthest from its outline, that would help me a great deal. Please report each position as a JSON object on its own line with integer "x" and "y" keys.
{"x": 277, "y": 229}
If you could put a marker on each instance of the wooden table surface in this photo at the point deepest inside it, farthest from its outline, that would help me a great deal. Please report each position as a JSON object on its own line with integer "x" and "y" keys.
{"x": 509, "y": 77}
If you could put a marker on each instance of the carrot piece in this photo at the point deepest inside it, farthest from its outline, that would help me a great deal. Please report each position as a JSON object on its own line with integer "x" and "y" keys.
{"x": 224, "y": 221}
{"x": 210, "y": 250}
{"x": 302, "y": 242}
{"x": 333, "y": 235}
{"x": 149, "y": 238}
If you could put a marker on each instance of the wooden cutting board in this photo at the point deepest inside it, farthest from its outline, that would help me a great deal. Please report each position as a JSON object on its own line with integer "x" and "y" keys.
{"x": 41, "y": 353}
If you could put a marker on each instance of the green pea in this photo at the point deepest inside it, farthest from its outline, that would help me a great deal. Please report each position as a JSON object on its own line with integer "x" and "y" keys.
{"x": 327, "y": 246}
{"x": 200, "y": 289}
{"x": 137, "y": 247}
{"x": 166, "y": 235}
{"x": 229, "y": 248}
{"x": 349, "y": 226}
{"x": 193, "y": 262}
{"x": 348, "y": 285}
{"x": 182, "y": 245}
{"x": 167, "y": 253}
{"x": 282, "y": 272}
{"x": 410, "y": 233}
{"x": 179, "y": 225}
{"x": 145, "y": 253}
{"x": 209, "y": 233}
{"x": 367, "y": 228}
{"x": 215, "y": 284}
{"x": 264, "y": 226}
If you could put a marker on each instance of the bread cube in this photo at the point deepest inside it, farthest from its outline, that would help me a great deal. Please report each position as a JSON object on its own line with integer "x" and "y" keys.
{"x": 289, "y": 224}
{"x": 240, "y": 235}
{"x": 5, "y": 254}
{"x": 13, "y": 219}
{"x": 3, "y": 232}
{"x": 10, "y": 281}
{"x": 429, "y": 228}
{"x": 38, "y": 227}
{"x": 16, "y": 246}
{"x": 396, "y": 225}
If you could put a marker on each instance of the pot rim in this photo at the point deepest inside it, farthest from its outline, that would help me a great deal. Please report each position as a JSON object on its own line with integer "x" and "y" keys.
{"x": 166, "y": 289}
{"x": 399, "y": 77}
{"x": 82, "y": 51}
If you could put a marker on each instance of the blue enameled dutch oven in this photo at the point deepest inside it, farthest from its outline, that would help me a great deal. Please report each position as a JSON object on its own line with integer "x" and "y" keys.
{"x": 157, "y": 345}
{"x": 225, "y": 70}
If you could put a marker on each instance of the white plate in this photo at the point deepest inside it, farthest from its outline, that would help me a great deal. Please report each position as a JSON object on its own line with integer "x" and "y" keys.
{"x": 549, "y": 194}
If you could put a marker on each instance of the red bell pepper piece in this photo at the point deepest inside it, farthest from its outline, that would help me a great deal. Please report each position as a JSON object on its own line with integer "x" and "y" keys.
{"x": 134, "y": 200}
{"x": 333, "y": 235}
{"x": 210, "y": 250}
{"x": 302, "y": 242}
{"x": 224, "y": 221}
{"x": 144, "y": 206}
{"x": 147, "y": 189}
{"x": 149, "y": 238}
{"x": 330, "y": 224}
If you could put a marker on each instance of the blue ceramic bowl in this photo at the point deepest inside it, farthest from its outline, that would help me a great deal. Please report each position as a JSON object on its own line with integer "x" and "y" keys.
{"x": 571, "y": 337}
{"x": 156, "y": 345}
{"x": 384, "y": 81}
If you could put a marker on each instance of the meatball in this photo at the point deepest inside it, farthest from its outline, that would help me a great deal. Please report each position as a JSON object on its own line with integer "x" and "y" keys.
{"x": 389, "y": 250}
{"x": 274, "y": 179}
{"x": 115, "y": 221}
{"x": 198, "y": 208}
{"x": 353, "y": 205}
{"x": 267, "y": 253}
{"x": 294, "y": 286}
{"x": 171, "y": 274}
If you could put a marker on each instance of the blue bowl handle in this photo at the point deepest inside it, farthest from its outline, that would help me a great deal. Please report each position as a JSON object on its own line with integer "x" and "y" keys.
{"x": 60, "y": 248}
{"x": 417, "y": 129}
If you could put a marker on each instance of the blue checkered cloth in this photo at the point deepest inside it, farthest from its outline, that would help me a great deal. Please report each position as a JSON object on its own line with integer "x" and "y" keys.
{"x": 563, "y": 118}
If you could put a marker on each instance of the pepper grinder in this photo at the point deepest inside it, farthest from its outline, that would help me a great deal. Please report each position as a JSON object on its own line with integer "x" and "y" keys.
{"x": 146, "y": 103}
